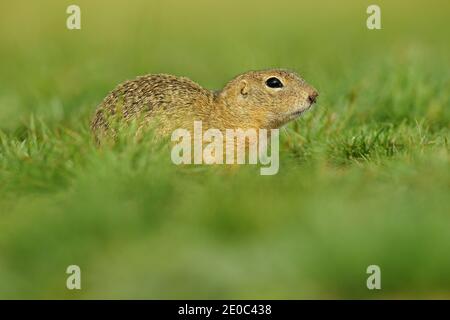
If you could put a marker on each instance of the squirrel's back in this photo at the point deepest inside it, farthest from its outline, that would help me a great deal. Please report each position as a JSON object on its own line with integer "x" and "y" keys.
{"x": 150, "y": 95}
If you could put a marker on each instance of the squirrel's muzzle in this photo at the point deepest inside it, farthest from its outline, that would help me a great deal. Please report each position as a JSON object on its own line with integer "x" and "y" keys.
{"x": 313, "y": 96}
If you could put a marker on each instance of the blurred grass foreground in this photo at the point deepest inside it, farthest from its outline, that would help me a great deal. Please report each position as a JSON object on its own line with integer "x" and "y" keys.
{"x": 364, "y": 177}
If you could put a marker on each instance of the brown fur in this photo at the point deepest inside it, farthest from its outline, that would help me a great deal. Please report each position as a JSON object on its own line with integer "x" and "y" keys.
{"x": 176, "y": 102}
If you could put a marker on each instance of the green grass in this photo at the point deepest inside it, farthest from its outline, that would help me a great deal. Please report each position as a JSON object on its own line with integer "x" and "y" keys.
{"x": 364, "y": 177}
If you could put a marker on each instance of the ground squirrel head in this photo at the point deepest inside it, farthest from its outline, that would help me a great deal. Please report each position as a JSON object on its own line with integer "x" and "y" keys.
{"x": 270, "y": 97}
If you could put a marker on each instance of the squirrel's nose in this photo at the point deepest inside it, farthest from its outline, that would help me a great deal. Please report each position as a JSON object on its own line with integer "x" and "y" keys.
{"x": 313, "y": 96}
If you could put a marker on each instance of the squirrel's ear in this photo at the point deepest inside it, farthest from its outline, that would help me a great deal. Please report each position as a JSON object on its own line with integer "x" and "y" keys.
{"x": 244, "y": 88}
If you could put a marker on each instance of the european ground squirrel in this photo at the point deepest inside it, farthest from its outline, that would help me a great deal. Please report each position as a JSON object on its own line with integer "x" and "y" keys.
{"x": 256, "y": 99}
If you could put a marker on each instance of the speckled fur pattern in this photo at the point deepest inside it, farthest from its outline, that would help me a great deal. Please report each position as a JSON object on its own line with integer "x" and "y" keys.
{"x": 176, "y": 102}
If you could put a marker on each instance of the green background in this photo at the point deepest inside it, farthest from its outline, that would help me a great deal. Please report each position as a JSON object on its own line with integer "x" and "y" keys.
{"x": 364, "y": 177}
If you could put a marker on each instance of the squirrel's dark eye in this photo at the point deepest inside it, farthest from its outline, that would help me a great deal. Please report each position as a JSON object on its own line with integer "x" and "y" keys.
{"x": 274, "y": 83}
